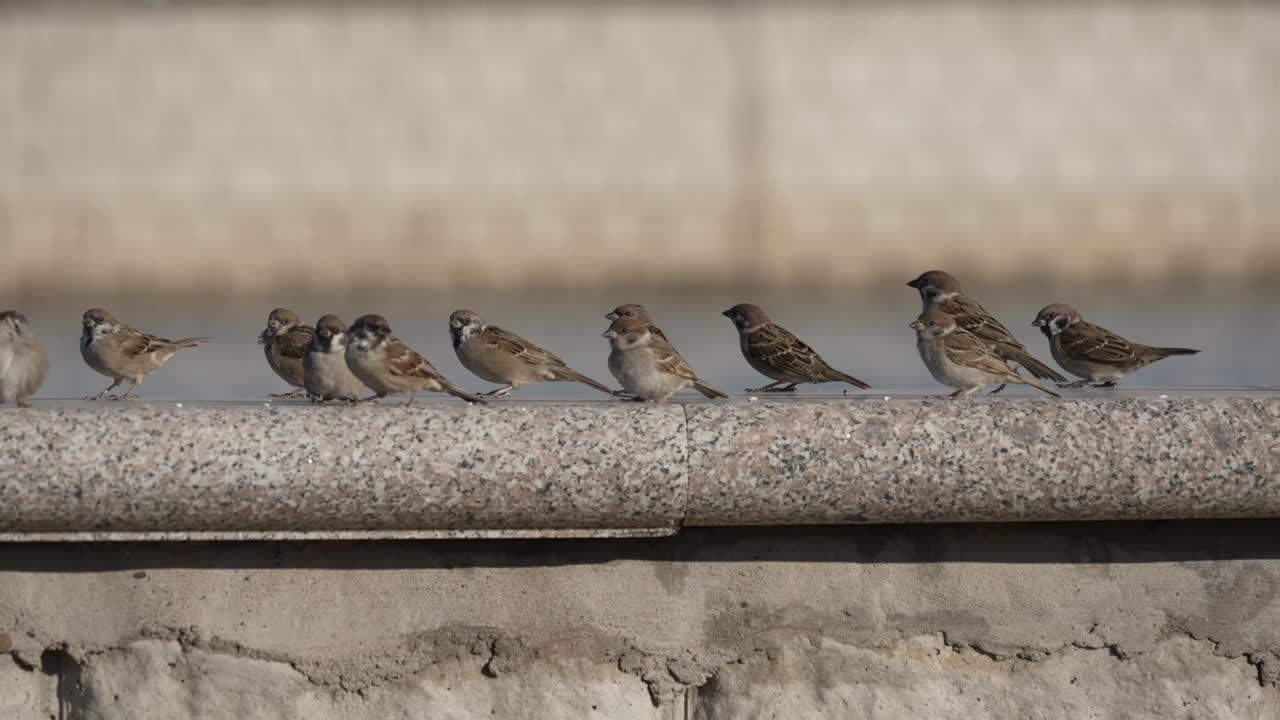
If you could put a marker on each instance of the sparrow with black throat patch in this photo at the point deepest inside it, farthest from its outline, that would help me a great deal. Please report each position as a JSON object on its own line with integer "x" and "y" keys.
{"x": 957, "y": 358}
{"x": 502, "y": 357}
{"x": 647, "y": 366}
{"x": 386, "y": 365}
{"x": 1092, "y": 352}
{"x": 23, "y": 360}
{"x": 285, "y": 341}
{"x": 939, "y": 290}
{"x": 120, "y": 352}
{"x": 325, "y": 373}
{"x": 777, "y": 354}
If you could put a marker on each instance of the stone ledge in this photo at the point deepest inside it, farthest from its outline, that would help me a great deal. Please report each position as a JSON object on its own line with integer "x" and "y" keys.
{"x": 244, "y": 472}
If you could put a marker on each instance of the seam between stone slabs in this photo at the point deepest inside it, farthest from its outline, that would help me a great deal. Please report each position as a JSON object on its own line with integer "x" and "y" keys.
{"x": 683, "y": 520}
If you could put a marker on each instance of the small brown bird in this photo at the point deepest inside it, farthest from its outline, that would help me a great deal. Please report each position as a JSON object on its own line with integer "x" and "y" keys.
{"x": 959, "y": 359}
{"x": 634, "y": 311}
{"x": 325, "y": 373}
{"x": 503, "y": 357}
{"x": 647, "y": 366}
{"x": 120, "y": 352}
{"x": 386, "y": 365}
{"x": 23, "y": 361}
{"x": 1092, "y": 352}
{"x": 940, "y": 290}
{"x": 774, "y": 352}
{"x": 285, "y": 341}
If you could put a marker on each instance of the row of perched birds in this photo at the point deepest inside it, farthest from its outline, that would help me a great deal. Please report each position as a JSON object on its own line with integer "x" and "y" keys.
{"x": 961, "y": 344}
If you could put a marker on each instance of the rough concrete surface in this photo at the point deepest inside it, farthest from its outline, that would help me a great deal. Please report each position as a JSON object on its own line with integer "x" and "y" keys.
{"x": 1157, "y": 619}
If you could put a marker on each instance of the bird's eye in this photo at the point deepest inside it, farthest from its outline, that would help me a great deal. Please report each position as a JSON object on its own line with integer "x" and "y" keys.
{"x": 933, "y": 322}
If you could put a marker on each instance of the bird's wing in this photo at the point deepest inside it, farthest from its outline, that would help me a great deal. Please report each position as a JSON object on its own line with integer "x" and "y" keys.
{"x": 294, "y": 343}
{"x": 134, "y": 343}
{"x": 512, "y": 344}
{"x": 1097, "y": 344}
{"x": 406, "y": 362}
{"x": 968, "y": 350}
{"x": 668, "y": 360}
{"x": 974, "y": 318}
{"x": 776, "y": 347}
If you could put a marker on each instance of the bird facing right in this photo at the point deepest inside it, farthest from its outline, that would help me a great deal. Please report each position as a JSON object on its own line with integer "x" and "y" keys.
{"x": 782, "y": 357}
{"x": 957, "y": 358}
{"x": 647, "y": 366}
{"x": 120, "y": 352}
{"x": 23, "y": 361}
{"x": 325, "y": 374}
{"x": 386, "y": 365}
{"x": 1092, "y": 352}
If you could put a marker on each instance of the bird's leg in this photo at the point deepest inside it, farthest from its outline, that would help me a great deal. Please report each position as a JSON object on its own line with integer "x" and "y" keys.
{"x": 103, "y": 394}
{"x": 964, "y": 393}
{"x": 500, "y": 392}
{"x": 766, "y": 388}
{"x": 789, "y": 388}
{"x": 412, "y": 395}
{"x": 129, "y": 395}
{"x": 1074, "y": 385}
{"x": 998, "y": 389}
{"x": 1107, "y": 384}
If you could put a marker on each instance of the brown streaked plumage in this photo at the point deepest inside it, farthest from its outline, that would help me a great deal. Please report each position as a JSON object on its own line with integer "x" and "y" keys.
{"x": 959, "y": 359}
{"x": 647, "y": 366}
{"x": 285, "y": 341}
{"x": 779, "y": 355}
{"x": 386, "y": 365}
{"x": 120, "y": 352}
{"x": 1092, "y": 352}
{"x": 940, "y": 290}
{"x": 501, "y": 356}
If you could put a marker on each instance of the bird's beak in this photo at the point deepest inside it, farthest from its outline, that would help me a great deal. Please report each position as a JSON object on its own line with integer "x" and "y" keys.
{"x": 611, "y": 316}
{"x": 1037, "y": 323}
{"x": 609, "y": 334}
{"x": 914, "y": 284}
{"x": 727, "y": 313}
{"x": 916, "y": 325}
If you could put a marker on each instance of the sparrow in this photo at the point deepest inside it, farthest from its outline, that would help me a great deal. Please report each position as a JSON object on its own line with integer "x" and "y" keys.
{"x": 773, "y": 351}
{"x": 386, "y": 365}
{"x": 957, "y": 358}
{"x": 285, "y": 341}
{"x": 120, "y": 352}
{"x": 647, "y": 366}
{"x": 325, "y": 374}
{"x": 23, "y": 361}
{"x": 635, "y": 311}
{"x": 503, "y": 357}
{"x": 1092, "y": 352}
{"x": 941, "y": 291}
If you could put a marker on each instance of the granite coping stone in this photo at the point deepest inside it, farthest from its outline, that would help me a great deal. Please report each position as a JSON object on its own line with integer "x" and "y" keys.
{"x": 166, "y": 471}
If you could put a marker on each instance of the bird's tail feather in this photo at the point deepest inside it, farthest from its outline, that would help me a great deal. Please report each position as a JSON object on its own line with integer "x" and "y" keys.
{"x": 189, "y": 342}
{"x": 565, "y": 373}
{"x": 458, "y": 392}
{"x": 707, "y": 390}
{"x": 1035, "y": 367}
{"x": 1166, "y": 352}
{"x": 1041, "y": 388}
{"x": 842, "y": 377}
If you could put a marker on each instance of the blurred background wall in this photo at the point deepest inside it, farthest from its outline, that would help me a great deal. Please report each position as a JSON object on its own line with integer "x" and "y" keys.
{"x": 241, "y": 147}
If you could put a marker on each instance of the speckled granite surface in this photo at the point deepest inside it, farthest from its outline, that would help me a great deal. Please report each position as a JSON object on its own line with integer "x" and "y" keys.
{"x": 568, "y": 469}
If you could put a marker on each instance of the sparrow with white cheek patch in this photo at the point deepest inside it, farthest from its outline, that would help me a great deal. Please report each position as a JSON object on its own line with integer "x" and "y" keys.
{"x": 940, "y": 291}
{"x": 647, "y": 366}
{"x": 1092, "y": 352}
{"x": 285, "y": 341}
{"x": 959, "y": 359}
{"x": 23, "y": 361}
{"x": 325, "y": 373}
{"x": 120, "y": 352}
{"x": 505, "y": 358}
{"x": 779, "y": 355}
{"x": 386, "y": 365}
{"x": 635, "y": 311}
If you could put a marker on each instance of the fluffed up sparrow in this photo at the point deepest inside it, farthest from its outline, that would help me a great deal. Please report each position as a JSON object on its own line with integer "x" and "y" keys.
{"x": 1092, "y": 352}
{"x": 386, "y": 365}
{"x": 285, "y": 341}
{"x": 939, "y": 290}
{"x": 23, "y": 361}
{"x": 502, "y": 357}
{"x": 647, "y": 365}
{"x": 782, "y": 357}
{"x": 325, "y": 374}
{"x": 957, "y": 358}
{"x": 120, "y": 352}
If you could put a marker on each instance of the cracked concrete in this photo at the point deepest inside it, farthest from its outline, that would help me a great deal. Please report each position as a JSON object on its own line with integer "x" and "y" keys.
{"x": 712, "y": 623}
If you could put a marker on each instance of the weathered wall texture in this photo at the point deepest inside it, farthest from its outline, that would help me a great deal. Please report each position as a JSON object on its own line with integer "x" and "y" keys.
{"x": 1149, "y": 620}
{"x": 205, "y": 145}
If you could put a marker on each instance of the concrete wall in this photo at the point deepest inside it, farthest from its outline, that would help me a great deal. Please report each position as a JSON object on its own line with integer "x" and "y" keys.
{"x": 248, "y": 146}
{"x": 1136, "y": 620}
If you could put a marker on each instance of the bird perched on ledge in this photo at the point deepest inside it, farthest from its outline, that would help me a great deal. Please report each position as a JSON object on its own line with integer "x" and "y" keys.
{"x": 939, "y": 290}
{"x": 285, "y": 341}
{"x": 782, "y": 357}
{"x": 23, "y": 361}
{"x": 502, "y": 357}
{"x": 386, "y": 365}
{"x": 1092, "y": 352}
{"x": 325, "y": 373}
{"x": 647, "y": 366}
{"x": 120, "y": 352}
{"x": 957, "y": 358}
